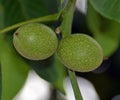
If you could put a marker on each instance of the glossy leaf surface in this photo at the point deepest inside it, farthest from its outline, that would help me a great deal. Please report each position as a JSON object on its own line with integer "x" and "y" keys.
{"x": 108, "y": 8}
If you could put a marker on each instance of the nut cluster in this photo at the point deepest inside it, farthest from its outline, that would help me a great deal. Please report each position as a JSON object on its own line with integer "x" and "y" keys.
{"x": 78, "y": 52}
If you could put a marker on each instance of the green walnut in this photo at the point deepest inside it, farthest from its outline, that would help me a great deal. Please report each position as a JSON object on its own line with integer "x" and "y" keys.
{"x": 35, "y": 41}
{"x": 80, "y": 52}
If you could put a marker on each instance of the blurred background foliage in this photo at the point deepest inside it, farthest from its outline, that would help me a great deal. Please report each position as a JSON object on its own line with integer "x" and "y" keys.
{"x": 102, "y": 21}
{"x": 106, "y": 30}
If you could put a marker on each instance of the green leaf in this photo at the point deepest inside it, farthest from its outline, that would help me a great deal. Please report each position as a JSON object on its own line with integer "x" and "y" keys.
{"x": 13, "y": 75}
{"x": 44, "y": 68}
{"x": 37, "y": 7}
{"x": 1, "y": 17}
{"x": 14, "y": 71}
{"x": 93, "y": 19}
{"x": 61, "y": 2}
{"x": 0, "y": 81}
{"x": 51, "y": 70}
{"x": 26, "y": 9}
{"x": 61, "y": 71}
{"x": 108, "y": 8}
{"x": 108, "y": 44}
{"x": 105, "y": 31}
{"x": 11, "y": 14}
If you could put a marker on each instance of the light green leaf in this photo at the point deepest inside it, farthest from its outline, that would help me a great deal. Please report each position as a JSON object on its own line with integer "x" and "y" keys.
{"x": 93, "y": 19}
{"x": 15, "y": 11}
{"x": 0, "y": 81}
{"x": 108, "y": 8}
{"x": 108, "y": 44}
{"x": 61, "y": 3}
{"x": 105, "y": 31}
{"x": 14, "y": 71}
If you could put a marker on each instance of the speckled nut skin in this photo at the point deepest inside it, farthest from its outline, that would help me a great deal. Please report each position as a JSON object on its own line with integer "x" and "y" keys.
{"x": 35, "y": 41}
{"x": 80, "y": 52}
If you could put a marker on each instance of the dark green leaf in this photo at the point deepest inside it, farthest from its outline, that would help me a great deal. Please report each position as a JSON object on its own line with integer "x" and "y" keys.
{"x": 105, "y": 31}
{"x": 37, "y": 7}
{"x": 51, "y": 70}
{"x": 44, "y": 68}
{"x": 61, "y": 71}
{"x": 12, "y": 12}
{"x": 25, "y": 9}
{"x": 107, "y": 8}
{"x": 1, "y": 17}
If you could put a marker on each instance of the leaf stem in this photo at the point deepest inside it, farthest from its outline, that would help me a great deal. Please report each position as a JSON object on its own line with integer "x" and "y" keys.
{"x": 52, "y": 17}
{"x": 67, "y": 15}
{"x": 75, "y": 86}
{"x": 65, "y": 28}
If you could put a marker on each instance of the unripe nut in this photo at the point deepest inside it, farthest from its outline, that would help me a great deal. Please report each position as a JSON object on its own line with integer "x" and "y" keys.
{"x": 80, "y": 52}
{"x": 35, "y": 41}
